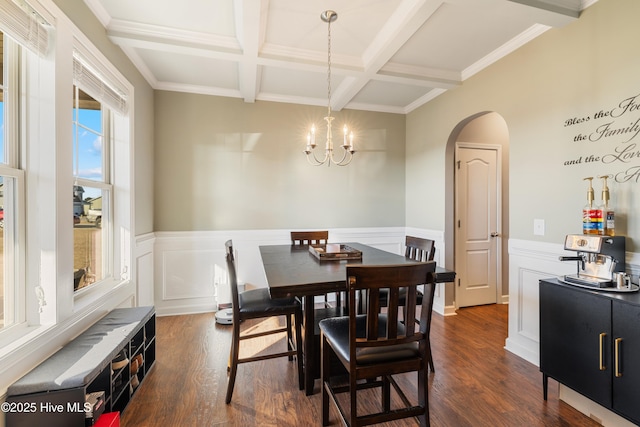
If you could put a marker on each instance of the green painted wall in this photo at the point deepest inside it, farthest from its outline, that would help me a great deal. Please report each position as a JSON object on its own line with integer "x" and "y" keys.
{"x": 223, "y": 164}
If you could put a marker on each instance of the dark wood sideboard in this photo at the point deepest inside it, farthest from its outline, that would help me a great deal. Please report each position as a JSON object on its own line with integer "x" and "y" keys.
{"x": 590, "y": 342}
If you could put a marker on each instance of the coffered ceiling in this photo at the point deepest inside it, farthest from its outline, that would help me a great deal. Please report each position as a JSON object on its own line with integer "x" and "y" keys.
{"x": 387, "y": 55}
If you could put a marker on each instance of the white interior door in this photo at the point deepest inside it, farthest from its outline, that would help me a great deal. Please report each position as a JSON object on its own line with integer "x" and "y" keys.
{"x": 477, "y": 226}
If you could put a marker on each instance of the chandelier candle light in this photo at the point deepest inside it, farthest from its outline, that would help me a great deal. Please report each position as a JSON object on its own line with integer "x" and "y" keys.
{"x": 329, "y": 16}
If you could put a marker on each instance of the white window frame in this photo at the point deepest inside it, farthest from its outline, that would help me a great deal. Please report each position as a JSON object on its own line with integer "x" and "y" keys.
{"x": 15, "y": 303}
{"x": 106, "y": 190}
{"x": 53, "y": 314}
{"x": 44, "y": 265}
{"x": 100, "y": 80}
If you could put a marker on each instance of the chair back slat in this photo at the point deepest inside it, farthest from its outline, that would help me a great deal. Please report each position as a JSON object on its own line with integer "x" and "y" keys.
{"x": 309, "y": 237}
{"x": 427, "y": 305}
{"x": 372, "y": 321}
{"x": 392, "y": 313}
{"x": 409, "y": 309}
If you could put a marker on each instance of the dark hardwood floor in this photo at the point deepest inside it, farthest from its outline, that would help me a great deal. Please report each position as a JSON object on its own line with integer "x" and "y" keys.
{"x": 476, "y": 383}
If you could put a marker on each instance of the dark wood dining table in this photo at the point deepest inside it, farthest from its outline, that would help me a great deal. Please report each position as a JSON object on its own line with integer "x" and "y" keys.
{"x": 294, "y": 271}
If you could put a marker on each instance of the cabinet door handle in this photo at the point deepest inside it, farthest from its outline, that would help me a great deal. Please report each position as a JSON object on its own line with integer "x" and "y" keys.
{"x": 602, "y": 367}
{"x": 617, "y": 356}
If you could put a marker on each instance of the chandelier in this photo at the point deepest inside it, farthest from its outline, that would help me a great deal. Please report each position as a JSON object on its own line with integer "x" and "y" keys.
{"x": 329, "y": 16}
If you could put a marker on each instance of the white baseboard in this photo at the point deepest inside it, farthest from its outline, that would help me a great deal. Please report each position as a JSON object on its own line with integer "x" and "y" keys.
{"x": 449, "y": 310}
{"x": 178, "y": 310}
{"x": 591, "y": 409}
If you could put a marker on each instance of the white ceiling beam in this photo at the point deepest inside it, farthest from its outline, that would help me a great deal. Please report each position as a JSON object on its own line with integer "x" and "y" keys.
{"x": 562, "y": 7}
{"x": 504, "y": 50}
{"x": 99, "y": 11}
{"x": 141, "y": 66}
{"x": 396, "y": 73}
{"x": 554, "y": 13}
{"x": 250, "y": 30}
{"x": 153, "y": 37}
{"x": 420, "y": 76}
{"x": 402, "y": 24}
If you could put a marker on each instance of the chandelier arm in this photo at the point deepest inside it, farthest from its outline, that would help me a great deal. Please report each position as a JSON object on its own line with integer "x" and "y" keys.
{"x": 329, "y": 157}
{"x": 315, "y": 161}
{"x": 342, "y": 160}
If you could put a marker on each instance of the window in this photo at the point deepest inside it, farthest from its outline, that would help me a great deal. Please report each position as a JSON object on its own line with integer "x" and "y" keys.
{"x": 99, "y": 120}
{"x": 91, "y": 189}
{"x": 12, "y": 309}
{"x": 57, "y": 145}
{"x": 2, "y": 241}
{"x": 23, "y": 40}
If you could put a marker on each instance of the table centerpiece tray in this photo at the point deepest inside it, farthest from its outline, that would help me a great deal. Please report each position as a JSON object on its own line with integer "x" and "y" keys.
{"x": 334, "y": 251}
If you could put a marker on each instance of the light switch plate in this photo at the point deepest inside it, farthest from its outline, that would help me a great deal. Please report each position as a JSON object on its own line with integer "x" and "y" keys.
{"x": 538, "y": 227}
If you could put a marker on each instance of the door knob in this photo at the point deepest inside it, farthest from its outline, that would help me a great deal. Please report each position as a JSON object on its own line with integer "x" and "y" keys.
{"x": 495, "y": 234}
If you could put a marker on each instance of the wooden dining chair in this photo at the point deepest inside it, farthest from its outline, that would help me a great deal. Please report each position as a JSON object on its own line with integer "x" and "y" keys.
{"x": 321, "y": 237}
{"x": 258, "y": 304}
{"x": 418, "y": 249}
{"x": 375, "y": 346}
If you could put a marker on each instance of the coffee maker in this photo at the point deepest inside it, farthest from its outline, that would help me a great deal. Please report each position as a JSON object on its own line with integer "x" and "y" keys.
{"x": 598, "y": 259}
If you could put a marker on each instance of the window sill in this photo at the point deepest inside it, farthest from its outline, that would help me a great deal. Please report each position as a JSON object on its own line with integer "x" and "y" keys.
{"x": 85, "y": 297}
{"x": 17, "y": 337}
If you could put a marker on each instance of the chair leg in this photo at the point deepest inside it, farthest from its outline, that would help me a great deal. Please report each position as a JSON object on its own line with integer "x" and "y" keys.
{"x": 310, "y": 358}
{"x": 433, "y": 369}
{"x": 325, "y": 375}
{"x": 289, "y": 336}
{"x": 386, "y": 393}
{"x": 298, "y": 325}
{"x": 233, "y": 359}
{"x": 353, "y": 391}
{"x": 423, "y": 396}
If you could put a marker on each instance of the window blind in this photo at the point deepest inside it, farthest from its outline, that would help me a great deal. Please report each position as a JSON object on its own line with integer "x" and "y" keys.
{"x": 25, "y": 26}
{"x": 93, "y": 83}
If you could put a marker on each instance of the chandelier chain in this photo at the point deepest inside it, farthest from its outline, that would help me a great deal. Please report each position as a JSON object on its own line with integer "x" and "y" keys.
{"x": 329, "y": 69}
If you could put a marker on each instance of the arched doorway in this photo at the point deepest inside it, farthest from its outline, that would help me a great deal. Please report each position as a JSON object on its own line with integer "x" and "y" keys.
{"x": 482, "y": 131}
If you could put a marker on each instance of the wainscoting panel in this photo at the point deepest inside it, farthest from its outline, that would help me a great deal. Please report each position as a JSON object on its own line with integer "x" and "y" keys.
{"x": 527, "y": 322}
{"x": 143, "y": 273}
{"x": 190, "y": 272}
{"x": 144, "y": 281}
{"x": 529, "y": 262}
{"x": 188, "y": 269}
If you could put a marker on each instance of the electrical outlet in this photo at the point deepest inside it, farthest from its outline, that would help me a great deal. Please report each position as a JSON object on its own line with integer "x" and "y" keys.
{"x": 538, "y": 227}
